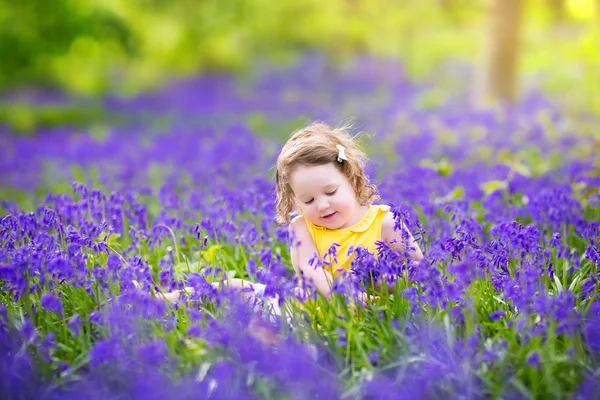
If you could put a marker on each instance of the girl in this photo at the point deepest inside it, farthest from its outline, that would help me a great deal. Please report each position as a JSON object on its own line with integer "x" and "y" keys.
{"x": 320, "y": 174}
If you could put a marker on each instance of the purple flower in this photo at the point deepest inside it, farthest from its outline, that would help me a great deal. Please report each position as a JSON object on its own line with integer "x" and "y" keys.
{"x": 153, "y": 353}
{"x": 106, "y": 351}
{"x": 195, "y": 331}
{"x": 496, "y": 315}
{"x": 75, "y": 324}
{"x": 533, "y": 360}
{"x": 50, "y": 302}
{"x": 48, "y": 346}
{"x": 592, "y": 253}
{"x": 341, "y": 337}
{"x": 373, "y": 356}
{"x": 113, "y": 263}
{"x": 592, "y": 329}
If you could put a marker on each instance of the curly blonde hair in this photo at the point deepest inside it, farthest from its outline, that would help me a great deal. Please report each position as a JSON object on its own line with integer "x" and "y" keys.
{"x": 316, "y": 145}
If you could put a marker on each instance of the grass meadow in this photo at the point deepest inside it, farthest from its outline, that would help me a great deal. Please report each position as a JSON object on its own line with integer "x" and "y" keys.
{"x": 178, "y": 190}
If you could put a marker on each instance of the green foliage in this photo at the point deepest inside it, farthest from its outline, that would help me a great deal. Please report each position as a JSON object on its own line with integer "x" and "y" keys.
{"x": 24, "y": 118}
{"x": 91, "y": 47}
{"x": 351, "y": 333}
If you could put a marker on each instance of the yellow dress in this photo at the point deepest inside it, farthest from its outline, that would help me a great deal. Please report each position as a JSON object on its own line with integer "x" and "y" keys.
{"x": 364, "y": 234}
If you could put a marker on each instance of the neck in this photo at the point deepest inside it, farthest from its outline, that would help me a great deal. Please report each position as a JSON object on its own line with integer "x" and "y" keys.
{"x": 359, "y": 213}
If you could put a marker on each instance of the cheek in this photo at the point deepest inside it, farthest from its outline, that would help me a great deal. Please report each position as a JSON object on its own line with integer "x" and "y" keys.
{"x": 349, "y": 201}
{"x": 307, "y": 209}
{"x": 342, "y": 197}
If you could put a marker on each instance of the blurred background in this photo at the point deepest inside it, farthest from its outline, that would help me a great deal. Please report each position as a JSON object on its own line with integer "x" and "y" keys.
{"x": 88, "y": 49}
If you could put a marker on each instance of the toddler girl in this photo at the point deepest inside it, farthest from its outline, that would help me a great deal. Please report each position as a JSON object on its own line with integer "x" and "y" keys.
{"x": 320, "y": 174}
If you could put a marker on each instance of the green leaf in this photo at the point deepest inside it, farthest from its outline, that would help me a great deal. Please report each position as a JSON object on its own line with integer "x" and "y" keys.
{"x": 442, "y": 167}
{"x": 573, "y": 284}
{"x": 210, "y": 253}
{"x": 521, "y": 168}
{"x": 457, "y": 193}
{"x": 112, "y": 239}
{"x": 491, "y": 186}
{"x": 559, "y": 285}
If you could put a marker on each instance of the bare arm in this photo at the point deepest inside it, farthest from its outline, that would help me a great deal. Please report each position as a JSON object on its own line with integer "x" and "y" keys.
{"x": 303, "y": 252}
{"x": 235, "y": 284}
{"x": 398, "y": 239}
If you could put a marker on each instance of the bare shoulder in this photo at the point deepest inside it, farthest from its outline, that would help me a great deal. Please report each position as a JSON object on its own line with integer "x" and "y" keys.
{"x": 298, "y": 228}
{"x": 302, "y": 246}
{"x": 298, "y": 224}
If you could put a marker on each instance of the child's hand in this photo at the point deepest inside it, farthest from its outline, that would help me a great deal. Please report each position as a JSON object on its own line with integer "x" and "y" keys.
{"x": 262, "y": 331}
{"x": 390, "y": 282}
{"x": 362, "y": 298}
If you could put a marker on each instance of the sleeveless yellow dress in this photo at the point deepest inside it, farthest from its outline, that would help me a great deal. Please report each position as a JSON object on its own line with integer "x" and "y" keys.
{"x": 364, "y": 234}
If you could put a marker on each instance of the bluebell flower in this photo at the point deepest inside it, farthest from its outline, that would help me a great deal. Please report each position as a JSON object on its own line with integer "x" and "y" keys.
{"x": 533, "y": 360}
{"x": 497, "y": 315}
{"x": 75, "y": 324}
{"x": 51, "y": 302}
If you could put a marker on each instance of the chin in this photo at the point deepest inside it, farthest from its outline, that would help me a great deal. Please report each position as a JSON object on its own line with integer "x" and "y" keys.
{"x": 339, "y": 225}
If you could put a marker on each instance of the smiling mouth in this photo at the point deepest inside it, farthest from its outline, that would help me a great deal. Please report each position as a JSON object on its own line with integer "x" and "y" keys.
{"x": 329, "y": 216}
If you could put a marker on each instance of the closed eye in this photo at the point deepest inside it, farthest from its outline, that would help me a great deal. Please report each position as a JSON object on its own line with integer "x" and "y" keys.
{"x": 331, "y": 193}
{"x": 308, "y": 202}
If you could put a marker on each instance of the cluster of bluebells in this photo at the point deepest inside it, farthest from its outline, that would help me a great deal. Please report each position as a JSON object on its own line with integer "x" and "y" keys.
{"x": 193, "y": 203}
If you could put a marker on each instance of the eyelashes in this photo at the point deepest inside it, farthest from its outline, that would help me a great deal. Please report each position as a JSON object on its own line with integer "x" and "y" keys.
{"x": 328, "y": 194}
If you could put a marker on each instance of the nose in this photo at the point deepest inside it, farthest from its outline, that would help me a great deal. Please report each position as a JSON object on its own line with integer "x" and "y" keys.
{"x": 323, "y": 204}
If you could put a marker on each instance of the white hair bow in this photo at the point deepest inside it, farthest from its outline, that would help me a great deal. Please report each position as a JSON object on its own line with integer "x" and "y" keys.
{"x": 341, "y": 152}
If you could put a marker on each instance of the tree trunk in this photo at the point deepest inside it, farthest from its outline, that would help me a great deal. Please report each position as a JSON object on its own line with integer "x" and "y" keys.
{"x": 497, "y": 75}
{"x": 558, "y": 10}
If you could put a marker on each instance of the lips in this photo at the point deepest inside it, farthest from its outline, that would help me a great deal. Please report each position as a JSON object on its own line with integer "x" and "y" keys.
{"x": 329, "y": 216}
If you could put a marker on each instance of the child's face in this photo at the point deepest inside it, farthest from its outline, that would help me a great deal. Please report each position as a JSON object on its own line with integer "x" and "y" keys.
{"x": 324, "y": 195}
